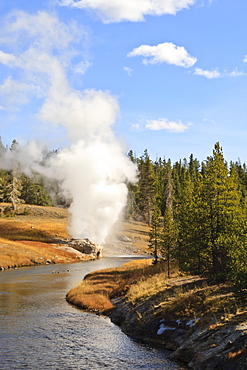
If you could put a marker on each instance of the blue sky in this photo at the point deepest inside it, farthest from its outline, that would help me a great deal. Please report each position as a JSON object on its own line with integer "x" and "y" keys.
{"x": 169, "y": 76}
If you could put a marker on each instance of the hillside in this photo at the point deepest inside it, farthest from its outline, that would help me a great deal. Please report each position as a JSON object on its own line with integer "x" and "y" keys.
{"x": 38, "y": 235}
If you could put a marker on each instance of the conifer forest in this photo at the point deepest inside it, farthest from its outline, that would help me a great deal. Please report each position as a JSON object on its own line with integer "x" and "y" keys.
{"x": 197, "y": 214}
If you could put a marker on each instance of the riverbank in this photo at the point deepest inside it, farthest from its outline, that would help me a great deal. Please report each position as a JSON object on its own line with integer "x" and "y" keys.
{"x": 38, "y": 235}
{"x": 203, "y": 325}
{"x": 35, "y": 236}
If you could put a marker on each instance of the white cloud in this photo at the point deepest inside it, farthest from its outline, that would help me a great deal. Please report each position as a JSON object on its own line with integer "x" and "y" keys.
{"x": 165, "y": 124}
{"x": 245, "y": 59}
{"x": 82, "y": 67}
{"x": 209, "y": 120}
{"x": 7, "y": 59}
{"x": 42, "y": 28}
{"x": 136, "y": 127}
{"x": 46, "y": 48}
{"x": 208, "y": 74}
{"x": 204, "y": 2}
{"x": 128, "y": 10}
{"x": 236, "y": 73}
{"x": 164, "y": 53}
{"x": 216, "y": 74}
{"x": 128, "y": 70}
{"x": 14, "y": 93}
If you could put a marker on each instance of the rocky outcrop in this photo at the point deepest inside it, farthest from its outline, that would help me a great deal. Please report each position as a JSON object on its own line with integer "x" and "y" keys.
{"x": 194, "y": 344}
{"x": 86, "y": 247}
{"x": 214, "y": 347}
{"x": 141, "y": 324}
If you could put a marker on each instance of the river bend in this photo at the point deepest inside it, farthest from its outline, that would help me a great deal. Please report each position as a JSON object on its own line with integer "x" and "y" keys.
{"x": 40, "y": 330}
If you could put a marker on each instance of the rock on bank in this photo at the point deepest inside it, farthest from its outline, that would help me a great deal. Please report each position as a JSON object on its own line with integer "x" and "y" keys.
{"x": 194, "y": 344}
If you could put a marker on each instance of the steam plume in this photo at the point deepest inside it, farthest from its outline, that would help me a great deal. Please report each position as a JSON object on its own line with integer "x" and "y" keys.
{"x": 93, "y": 169}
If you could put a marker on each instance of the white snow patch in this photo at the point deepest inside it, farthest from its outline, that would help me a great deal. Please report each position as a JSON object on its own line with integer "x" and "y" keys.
{"x": 163, "y": 328}
{"x": 192, "y": 322}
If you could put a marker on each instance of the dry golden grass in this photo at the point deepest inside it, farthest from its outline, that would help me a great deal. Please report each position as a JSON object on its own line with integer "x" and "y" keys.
{"x": 105, "y": 284}
{"x": 24, "y": 253}
{"x": 87, "y": 297}
{"x": 137, "y": 232}
{"x": 146, "y": 288}
{"x": 29, "y": 236}
{"x": 26, "y": 230}
{"x": 26, "y": 239}
{"x": 42, "y": 224}
{"x": 140, "y": 282}
{"x": 129, "y": 280}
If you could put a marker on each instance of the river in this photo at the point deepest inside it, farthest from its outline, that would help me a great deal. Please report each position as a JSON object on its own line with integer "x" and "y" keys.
{"x": 40, "y": 330}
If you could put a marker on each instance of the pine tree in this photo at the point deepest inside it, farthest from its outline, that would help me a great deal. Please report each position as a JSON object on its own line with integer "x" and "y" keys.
{"x": 33, "y": 191}
{"x": 169, "y": 230}
{"x": 221, "y": 213}
{"x": 2, "y": 187}
{"x": 193, "y": 168}
{"x": 13, "y": 191}
{"x": 5, "y": 179}
{"x": 146, "y": 187}
{"x": 179, "y": 174}
{"x": 131, "y": 156}
{"x": 132, "y": 210}
{"x": 168, "y": 238}
{"x": 190, "y": 243}
{"x": 155, "y": 236}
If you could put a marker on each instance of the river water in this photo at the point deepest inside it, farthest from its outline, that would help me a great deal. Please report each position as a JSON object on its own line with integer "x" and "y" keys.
{"x": 40, "y": 330}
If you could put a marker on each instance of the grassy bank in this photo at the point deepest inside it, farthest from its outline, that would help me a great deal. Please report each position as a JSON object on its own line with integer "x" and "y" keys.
{"x": 201, "y": 323}
{"x": 140, "y": 281}
{"x": 94, "y": 293}
{"x": 32, "y": 237}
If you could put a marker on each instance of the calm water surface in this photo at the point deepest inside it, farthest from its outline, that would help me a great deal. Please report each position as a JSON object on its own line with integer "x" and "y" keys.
{"x": 40, "y": 330}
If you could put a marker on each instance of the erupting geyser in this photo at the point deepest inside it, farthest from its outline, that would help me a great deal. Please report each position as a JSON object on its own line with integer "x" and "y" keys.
{"x": 93, "y": 169}
{"x": 94, "y": 176}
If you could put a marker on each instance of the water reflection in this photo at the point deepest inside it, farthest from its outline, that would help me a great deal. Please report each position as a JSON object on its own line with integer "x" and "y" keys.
{"x": 39, "y": 329}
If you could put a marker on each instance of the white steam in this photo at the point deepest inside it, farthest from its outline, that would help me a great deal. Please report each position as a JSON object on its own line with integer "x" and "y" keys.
{"x": 93, "y": 170}
{"x": 94, "y": 175}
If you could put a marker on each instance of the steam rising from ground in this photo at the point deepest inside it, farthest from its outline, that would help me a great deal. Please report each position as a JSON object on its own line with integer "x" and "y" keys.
{"x": 93, "y": 170}
{"x": 94, "y": 176}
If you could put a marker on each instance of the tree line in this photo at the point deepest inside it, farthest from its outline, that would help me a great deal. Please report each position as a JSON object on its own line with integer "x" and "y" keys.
{"x": 197, "y": 212}
{"x": 18, "y": 188}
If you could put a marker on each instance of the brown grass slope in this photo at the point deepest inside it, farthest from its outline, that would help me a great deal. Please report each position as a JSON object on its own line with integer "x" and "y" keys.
{"x": 205, "y": 326}
{"x": 32, "y": 237}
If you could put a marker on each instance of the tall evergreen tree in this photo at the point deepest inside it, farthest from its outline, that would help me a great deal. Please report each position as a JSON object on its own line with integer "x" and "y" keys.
{"x": 169, "y": 230}
{"x": 155, "y": 235}
{"x": 221, "y": 209}
{"x": 190, "y": 244}
{"x": 146, "y": 187}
